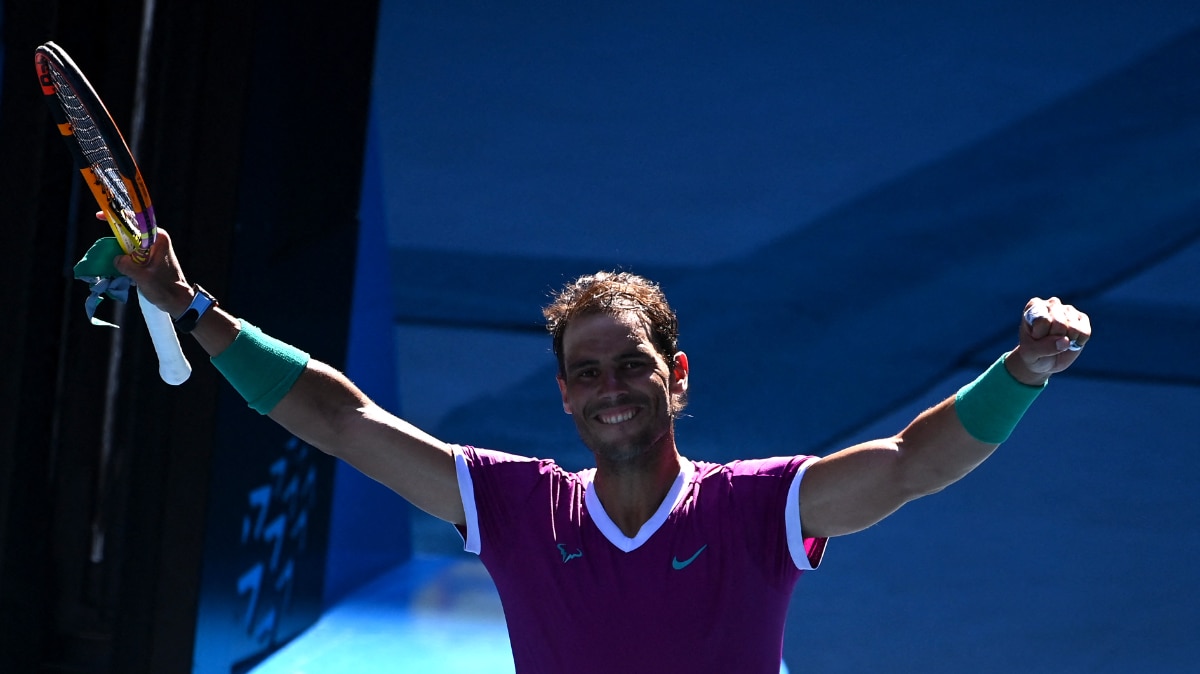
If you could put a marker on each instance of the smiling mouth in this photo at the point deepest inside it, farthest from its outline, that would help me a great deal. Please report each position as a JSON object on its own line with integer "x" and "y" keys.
{"x": 616, "y": 416}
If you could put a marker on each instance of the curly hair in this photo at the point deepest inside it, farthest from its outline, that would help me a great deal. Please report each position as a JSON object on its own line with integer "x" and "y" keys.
{"x": 611, "y": 293}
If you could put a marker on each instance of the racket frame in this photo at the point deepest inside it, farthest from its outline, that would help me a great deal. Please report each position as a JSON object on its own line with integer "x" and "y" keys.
{"x": 135, "y": 227}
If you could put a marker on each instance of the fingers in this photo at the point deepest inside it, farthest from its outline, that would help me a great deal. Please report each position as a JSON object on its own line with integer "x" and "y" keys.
{"x": 160, "y": 262}
{"x": 160, "y": 281}
{"x": 1051, "y": 318}
{"x": 1051, "y": 336}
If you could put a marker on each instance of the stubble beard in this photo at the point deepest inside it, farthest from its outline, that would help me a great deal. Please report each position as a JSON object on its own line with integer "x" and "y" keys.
{"x": 627, "y": 452}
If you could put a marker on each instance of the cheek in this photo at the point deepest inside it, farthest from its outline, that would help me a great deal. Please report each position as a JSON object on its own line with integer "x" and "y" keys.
{"x": 575, "y": 396}
{"x": 562, "y": 392}
{"x": 662, "y": 379}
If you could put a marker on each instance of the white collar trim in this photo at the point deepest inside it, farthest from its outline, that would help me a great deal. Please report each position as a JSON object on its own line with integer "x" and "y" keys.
{"x": 612, "y": 532}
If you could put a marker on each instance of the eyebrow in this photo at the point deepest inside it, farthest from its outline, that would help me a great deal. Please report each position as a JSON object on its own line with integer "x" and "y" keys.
{"x": 624, "y": 356}
{"x": 578, "y": 364}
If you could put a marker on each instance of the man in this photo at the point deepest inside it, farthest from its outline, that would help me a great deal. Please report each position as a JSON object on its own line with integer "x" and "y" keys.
{"x": 649, "y": 562}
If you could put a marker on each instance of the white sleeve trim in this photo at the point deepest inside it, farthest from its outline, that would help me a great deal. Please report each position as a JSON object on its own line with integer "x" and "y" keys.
{"x": 466, "y": 490}
{"x": 791, "y": 517}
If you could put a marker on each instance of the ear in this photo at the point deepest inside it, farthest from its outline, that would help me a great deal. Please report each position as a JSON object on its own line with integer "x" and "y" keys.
{"x": 679, "y": 373}
{"x": 562, "y": 390}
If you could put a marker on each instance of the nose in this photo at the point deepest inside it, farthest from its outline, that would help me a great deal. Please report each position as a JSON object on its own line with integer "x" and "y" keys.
{"x": 611, "y": 384}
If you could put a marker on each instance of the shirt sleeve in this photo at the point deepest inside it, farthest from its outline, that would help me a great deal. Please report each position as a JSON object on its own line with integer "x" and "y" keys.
{"x": 806, "y": 552}
{"x": 767, "y": 496}
{"x": 466, "y": 490}
{"x": 491, "y": 484}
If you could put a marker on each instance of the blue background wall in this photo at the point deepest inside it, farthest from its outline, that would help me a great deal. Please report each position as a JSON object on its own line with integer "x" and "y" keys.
{"x": 849, "y": 206}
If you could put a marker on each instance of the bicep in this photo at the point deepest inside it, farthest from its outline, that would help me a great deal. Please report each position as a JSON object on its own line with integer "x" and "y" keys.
{"x": 857, "y": 487}
{"x": 326, "y": 410}
{"x": 852, "y": 489}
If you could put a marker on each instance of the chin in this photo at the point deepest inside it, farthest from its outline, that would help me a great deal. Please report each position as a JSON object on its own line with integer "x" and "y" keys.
{"x": 627, "y": 451}
{"x": 619, "y": 454}
{"x": 629, "y": 442}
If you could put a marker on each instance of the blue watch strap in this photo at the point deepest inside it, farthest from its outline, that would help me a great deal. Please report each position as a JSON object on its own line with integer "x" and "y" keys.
{"x": 201, "y": 302}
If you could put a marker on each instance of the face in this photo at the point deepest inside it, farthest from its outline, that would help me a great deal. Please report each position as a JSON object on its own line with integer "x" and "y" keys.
{"x": 619, "y": 390}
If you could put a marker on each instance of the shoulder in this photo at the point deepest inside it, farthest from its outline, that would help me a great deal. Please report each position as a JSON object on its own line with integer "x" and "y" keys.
{"x": 776, "y": 466}
{"x": 477, "y": 456}
{"x": 490, "y": 464}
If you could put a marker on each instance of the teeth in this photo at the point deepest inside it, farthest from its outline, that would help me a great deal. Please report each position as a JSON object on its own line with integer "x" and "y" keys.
{"x": 616, "y": 418}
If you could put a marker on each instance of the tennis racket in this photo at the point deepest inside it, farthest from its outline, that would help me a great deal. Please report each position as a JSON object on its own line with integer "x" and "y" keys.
{"x": 111, "y": 173}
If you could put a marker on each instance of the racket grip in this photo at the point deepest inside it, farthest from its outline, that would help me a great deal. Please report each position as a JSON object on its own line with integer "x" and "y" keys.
{"x": 173, "y": 366}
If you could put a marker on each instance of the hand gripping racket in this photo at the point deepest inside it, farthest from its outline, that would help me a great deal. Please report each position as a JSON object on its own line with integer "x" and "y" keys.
{"x": 111, "y": 173}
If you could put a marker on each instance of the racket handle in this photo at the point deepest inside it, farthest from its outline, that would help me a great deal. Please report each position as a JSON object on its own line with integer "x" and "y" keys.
{"x": 173, "y": 366}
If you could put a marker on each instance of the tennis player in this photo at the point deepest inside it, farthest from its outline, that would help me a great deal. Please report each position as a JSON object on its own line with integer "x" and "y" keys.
{"x": 649, "y": 562}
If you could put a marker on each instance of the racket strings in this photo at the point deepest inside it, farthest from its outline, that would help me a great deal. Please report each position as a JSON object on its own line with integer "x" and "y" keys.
{"x": 96, "y": 152}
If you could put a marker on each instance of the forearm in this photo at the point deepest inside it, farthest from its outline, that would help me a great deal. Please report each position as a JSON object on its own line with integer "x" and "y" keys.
{"x": 325, "y": 409}
{"x": 850, "y": 490}
{"x": 310, "y": 399}
{"x": 216, "y": 330}
{"x": 935, "y": 450}
{"x": 949, "y": 440}
{"x": 321, "y": 406}
{"x": 857, "y": 487}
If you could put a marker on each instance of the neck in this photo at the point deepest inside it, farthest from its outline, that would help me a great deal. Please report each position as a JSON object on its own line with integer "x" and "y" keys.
{"x": 632, "y": 492}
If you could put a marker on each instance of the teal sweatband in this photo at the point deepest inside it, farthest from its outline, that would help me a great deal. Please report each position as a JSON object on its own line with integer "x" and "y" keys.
{"x": 990, "y": 407}
{"x": 261, "y": 368}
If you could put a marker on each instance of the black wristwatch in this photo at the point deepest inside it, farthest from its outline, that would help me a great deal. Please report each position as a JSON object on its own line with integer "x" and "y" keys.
{"x": 202, "y": 302}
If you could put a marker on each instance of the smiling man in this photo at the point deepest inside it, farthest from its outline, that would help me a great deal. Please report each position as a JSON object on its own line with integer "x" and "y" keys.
{"x": 649, "y": 562}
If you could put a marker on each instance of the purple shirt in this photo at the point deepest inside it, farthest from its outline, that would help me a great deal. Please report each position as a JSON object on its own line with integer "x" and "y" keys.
{"x": 703, "y": 587}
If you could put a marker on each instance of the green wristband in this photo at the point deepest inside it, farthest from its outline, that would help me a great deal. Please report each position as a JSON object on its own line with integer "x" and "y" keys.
{"x": 261, "y": 368}
{"x": 990, "y": 407}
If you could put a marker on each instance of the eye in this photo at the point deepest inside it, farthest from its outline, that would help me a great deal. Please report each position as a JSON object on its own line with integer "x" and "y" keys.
{"x": 634, "y": 364}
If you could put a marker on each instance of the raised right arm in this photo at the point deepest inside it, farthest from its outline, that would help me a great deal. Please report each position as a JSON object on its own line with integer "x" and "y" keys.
{"x": 323, "y": 407}
{"x": 327, "y": 410}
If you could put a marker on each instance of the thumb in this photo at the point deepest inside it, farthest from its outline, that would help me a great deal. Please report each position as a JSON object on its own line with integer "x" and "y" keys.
{"x": 126, "y": 266}
{"x": 158, "y": 256}
{"x": 140, "y": 273}
{"x": 1048, "y": 346}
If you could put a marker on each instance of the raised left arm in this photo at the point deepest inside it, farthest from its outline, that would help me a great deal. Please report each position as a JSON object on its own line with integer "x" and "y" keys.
{"x": 857, "y": 487}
